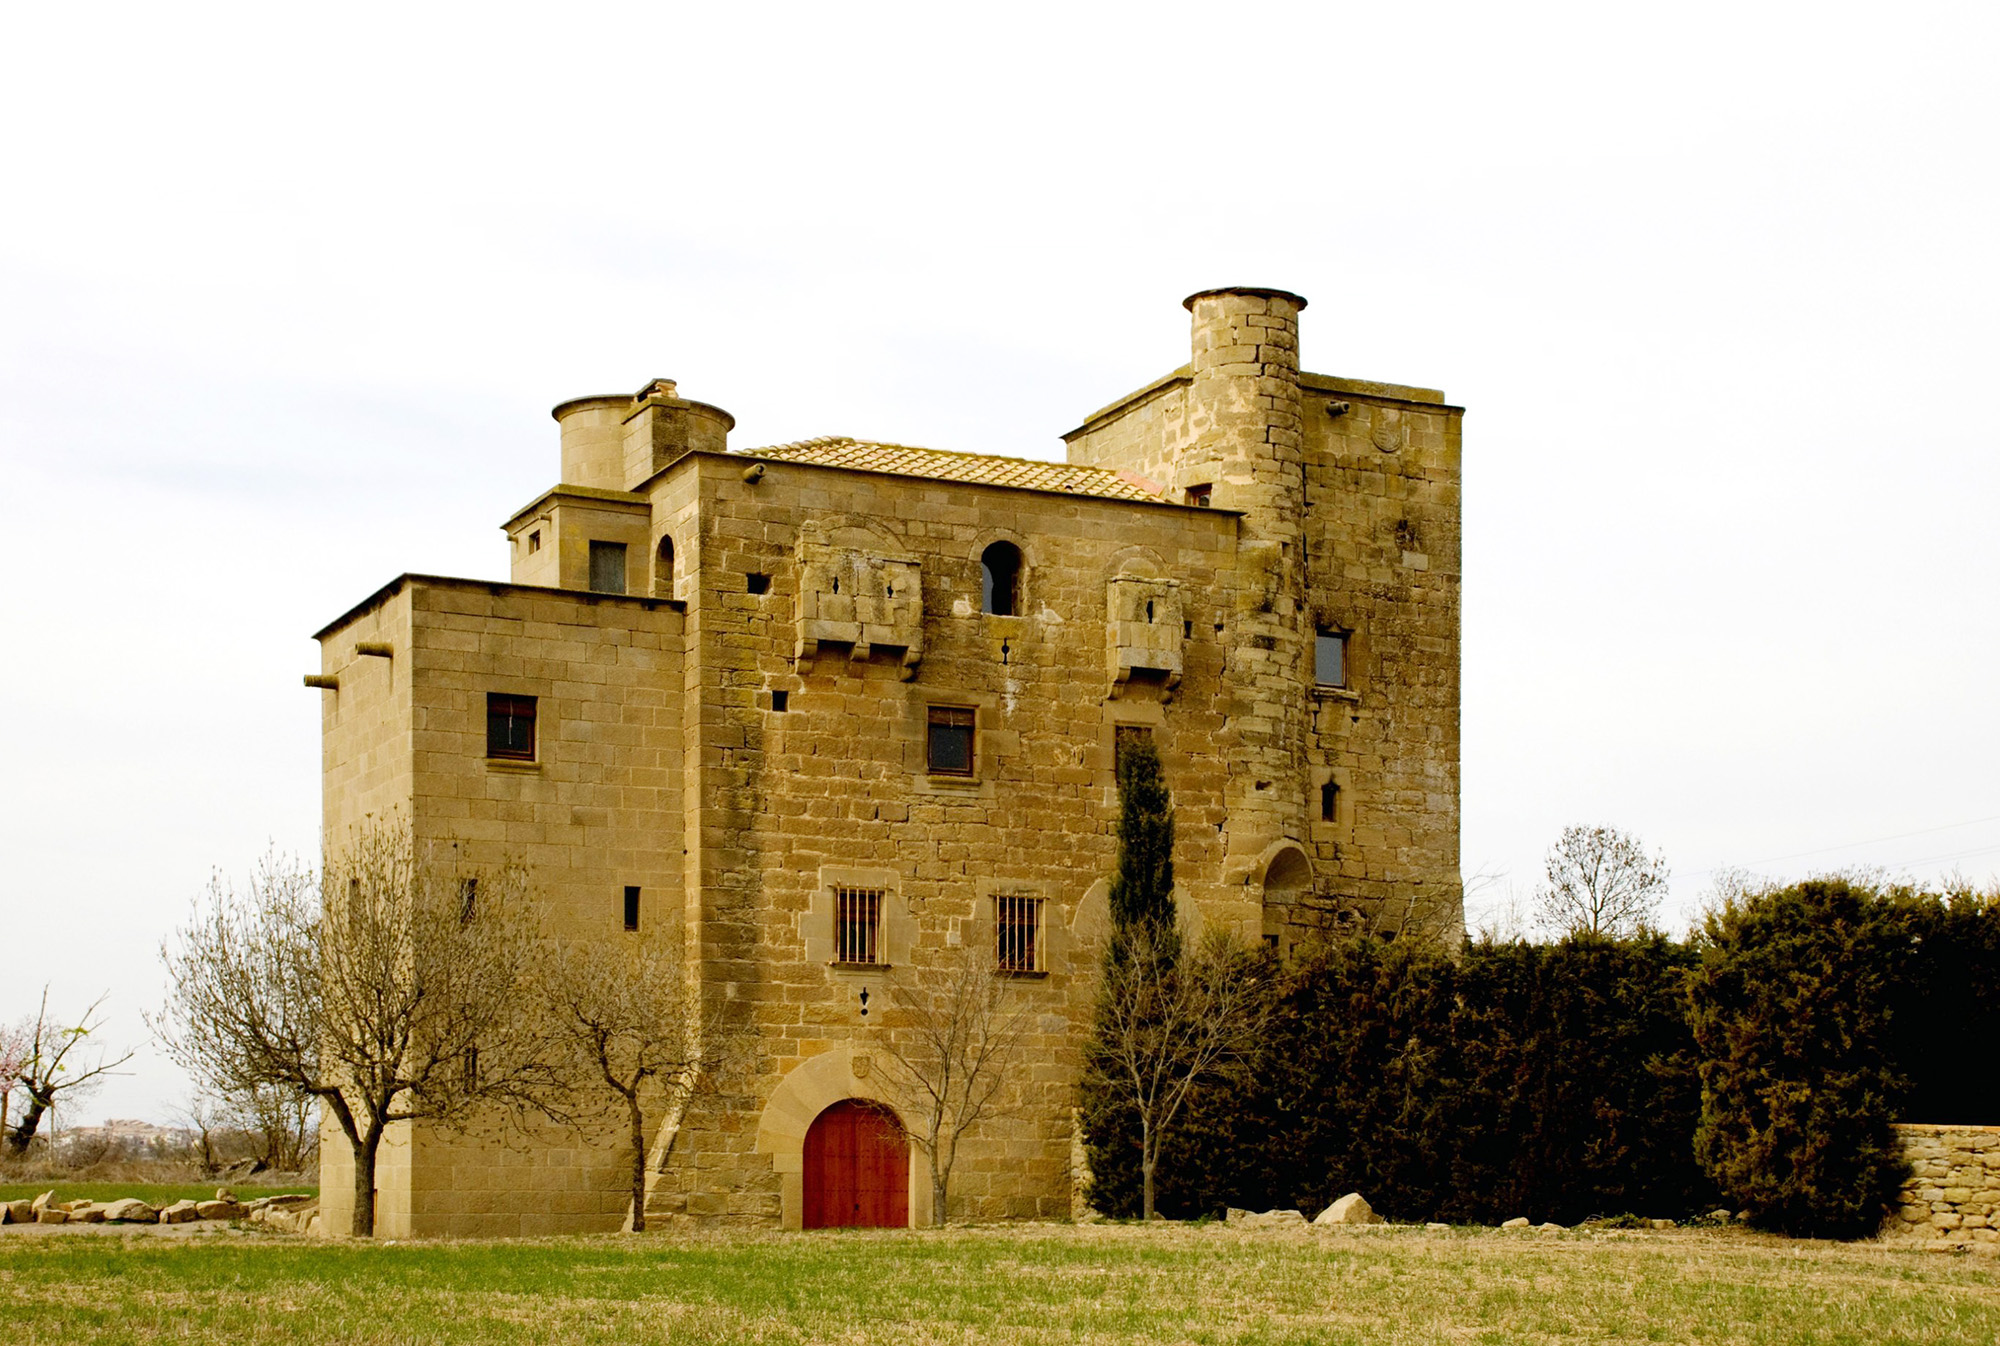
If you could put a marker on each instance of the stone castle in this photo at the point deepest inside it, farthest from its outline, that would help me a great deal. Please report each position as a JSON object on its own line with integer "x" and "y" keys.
{"x": 809, "y": 713}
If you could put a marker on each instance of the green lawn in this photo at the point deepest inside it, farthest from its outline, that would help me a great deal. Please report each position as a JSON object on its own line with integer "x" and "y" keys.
{"x": 1203, "y": 1284}
{"x": 154, "y": 1193}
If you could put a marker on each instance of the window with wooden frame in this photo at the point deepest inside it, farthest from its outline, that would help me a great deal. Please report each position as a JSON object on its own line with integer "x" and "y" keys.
{"x": 510, "y": 727}
{"x": 948, "y": 741}
{"x": 1017, "y": 932}
{"x": 1330, "y": 658}
{"x": 857, "y": 925}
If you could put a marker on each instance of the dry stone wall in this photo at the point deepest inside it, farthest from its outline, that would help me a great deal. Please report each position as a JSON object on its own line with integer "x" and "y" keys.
{"x": 1954, "y": 1190}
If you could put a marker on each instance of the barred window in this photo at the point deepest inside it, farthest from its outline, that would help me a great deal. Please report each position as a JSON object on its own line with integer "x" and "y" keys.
{"x": 1017, "y": 933}
{"x": 857, "y": 925}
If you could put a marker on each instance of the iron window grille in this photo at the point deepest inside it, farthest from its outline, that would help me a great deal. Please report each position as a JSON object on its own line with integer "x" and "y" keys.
{"x": 857, "y": 925}
{"x": 1017, "y": 933}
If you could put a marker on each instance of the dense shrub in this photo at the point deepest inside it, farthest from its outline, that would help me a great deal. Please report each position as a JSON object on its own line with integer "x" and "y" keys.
{"x": 1555, "y": 1081}
{"x": 1946, "y": 996}
{"x": 1791, "y": 1008}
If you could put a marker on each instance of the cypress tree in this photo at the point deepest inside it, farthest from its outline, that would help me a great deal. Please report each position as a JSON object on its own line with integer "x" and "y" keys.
{"x": 1142, "y": 889}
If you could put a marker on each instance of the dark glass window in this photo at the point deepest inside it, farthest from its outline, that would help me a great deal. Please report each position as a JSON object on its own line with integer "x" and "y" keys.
{"x": 1199, "y": 495}
{"x": 1000, "y": 579}
{"x": 631, "y": 908}
{"x": 1330, "y": 659}
{"x": 607, "y": 567}
{"x": 950, "y": 740}
{"x": 510, "y": 726}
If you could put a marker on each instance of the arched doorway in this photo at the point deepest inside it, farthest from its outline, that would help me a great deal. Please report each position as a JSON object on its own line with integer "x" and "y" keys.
{"x": 857, "y": 1169}
{"x": 1287, "y": 883}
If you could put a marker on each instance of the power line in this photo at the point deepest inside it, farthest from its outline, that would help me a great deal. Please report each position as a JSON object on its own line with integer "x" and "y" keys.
{"x": 1872, "y": 841}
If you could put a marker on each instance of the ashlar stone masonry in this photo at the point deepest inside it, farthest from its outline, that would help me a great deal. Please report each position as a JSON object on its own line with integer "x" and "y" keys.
{"x": 837, "y": 708}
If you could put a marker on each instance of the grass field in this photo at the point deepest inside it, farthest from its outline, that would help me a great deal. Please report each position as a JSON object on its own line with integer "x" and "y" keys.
{"x": 153, "y": 1193}
{"x": 1104, "y": 1284}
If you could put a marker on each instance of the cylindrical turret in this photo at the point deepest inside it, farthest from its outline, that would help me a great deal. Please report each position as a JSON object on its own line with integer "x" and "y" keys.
{"x": 593, "y": 440}
{"x": 1243, "y": 419}
{"x": 1243, "y": 437}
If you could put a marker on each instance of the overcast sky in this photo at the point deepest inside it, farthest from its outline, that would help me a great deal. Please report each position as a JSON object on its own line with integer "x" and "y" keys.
{"x": 286, "y": 294}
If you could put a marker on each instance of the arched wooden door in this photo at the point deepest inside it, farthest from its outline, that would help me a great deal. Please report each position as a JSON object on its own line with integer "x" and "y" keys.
{"x": 857, "y": 1169}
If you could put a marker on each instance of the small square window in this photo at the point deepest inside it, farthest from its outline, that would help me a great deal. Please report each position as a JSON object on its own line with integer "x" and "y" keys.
{"x": 1199, "y": 495}
{"x": 857, "y": 925}
{"x": 1330, "y": 659}
{"x": 949, "y": 746}
{"x": 1017, "y": 933}
{"x": 758, "y": 583}
{"x": 510, "y": 727}
{"x": 607, "y": 567}
{"x": 631, "y": 907}
{"x": 781, "y": 701}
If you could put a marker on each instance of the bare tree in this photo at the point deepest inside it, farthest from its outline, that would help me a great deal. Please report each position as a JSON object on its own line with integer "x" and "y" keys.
{"x": 13, "y": 1057}
{"x": 629, "y": 1032}
{"x": 393, "y": 989}
{"x": 1173, "y": 1014}
{"x": 57, "y": 1062}
{"x": 948, "y": 1057}
{"x": 1600, "y": 882}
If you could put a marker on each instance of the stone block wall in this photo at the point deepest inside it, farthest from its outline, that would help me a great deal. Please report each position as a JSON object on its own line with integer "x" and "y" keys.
{"x": 1954, "y": 1192}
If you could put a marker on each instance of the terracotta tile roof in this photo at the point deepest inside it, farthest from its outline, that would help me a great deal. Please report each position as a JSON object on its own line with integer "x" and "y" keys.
{"x": 942, "y": 465}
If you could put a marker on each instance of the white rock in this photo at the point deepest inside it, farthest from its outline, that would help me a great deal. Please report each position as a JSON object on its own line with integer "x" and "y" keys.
{"x": 1548, "y": 1227}
{"x": 1518, "y": 1222}
{"x": 181, "y": 1212}
{"x": 131, "y": 1208}
{"x": 1350, "y": 1209}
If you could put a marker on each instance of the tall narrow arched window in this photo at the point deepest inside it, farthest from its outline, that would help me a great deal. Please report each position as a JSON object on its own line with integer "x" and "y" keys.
{"x": 1000, "y": 579}
{"x": 663, "y": 570}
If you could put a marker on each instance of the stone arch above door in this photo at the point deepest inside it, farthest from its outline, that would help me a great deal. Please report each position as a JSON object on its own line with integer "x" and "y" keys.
{"x": 808, "y": 1089}
{"x": 1286, "y": 890}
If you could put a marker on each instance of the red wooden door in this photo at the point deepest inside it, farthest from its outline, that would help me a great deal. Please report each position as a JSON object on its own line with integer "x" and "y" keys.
{"x": 857, "y": 1169}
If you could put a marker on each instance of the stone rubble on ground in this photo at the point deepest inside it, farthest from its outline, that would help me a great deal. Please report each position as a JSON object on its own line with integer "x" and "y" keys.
{"x": 1350, "y": 1209}
{"x": 1518, "y": 1222}
{"x": 1548, "y": 1227}
{"x": 1270, "y": 1219}
{"x": 294, "y": 1211}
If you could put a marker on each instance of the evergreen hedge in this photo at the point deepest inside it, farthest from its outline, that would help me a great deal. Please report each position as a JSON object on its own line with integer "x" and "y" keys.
{"x": 1759, "y": 1066}
{"x": 1553, "y": 1081}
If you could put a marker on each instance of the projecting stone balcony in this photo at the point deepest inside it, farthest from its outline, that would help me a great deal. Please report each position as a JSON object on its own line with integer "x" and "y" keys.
{"x": 862, "y": 602}
{"x": 1144, "y": 630}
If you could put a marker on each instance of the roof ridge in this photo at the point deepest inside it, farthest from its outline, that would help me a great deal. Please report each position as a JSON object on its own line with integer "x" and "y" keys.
{"x": 827, "y": 441}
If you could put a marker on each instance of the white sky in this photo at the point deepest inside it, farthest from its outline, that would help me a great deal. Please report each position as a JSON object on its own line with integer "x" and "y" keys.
{"x": 286, "y": 294}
